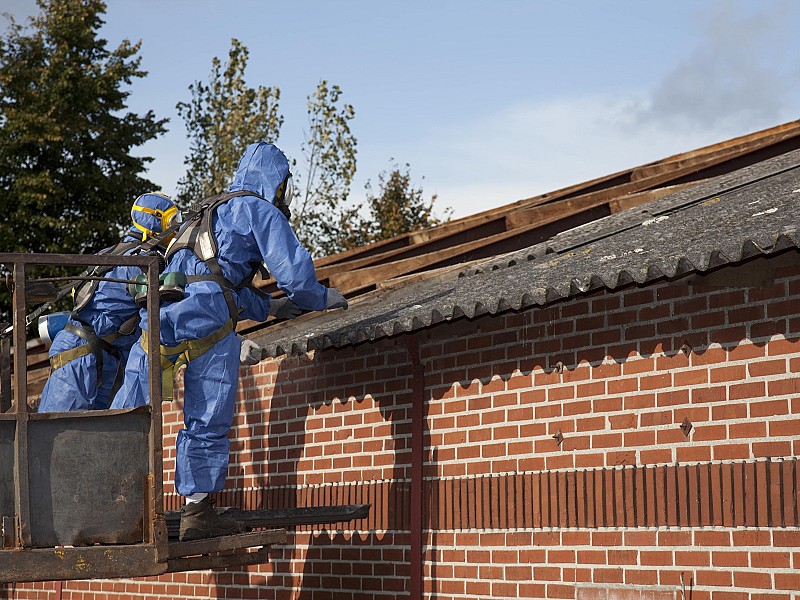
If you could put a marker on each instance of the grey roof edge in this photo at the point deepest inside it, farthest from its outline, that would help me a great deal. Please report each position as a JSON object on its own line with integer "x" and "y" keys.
{"x": 546, "y": 278}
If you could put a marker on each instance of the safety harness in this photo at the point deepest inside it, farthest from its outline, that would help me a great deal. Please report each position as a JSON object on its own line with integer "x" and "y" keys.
{"x": 95, "y": 344}
{"x": 198, "y": 236}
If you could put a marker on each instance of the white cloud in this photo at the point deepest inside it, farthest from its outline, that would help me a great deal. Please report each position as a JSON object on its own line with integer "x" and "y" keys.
{"x": 739, "y": 70}
{"x": 737, "y": 80}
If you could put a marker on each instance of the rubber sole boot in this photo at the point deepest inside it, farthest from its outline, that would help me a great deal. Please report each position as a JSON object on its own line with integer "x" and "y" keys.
{"x": 199, "y": 520}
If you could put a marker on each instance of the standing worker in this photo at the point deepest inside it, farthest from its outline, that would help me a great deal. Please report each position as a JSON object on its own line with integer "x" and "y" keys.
{"x": 219, "y": 251}
{"x": 88, "y": 356}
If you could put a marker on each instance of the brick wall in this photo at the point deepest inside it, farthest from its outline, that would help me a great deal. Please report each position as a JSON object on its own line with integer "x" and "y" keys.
{"x": 633, "y": 444}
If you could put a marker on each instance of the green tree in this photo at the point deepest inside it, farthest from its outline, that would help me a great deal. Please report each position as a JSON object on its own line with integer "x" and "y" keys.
{"x": 397, "y": 208}
{"x": 322, "y": 217}
{"x": 222, "y": 118}
{"x": 67, "y": 175}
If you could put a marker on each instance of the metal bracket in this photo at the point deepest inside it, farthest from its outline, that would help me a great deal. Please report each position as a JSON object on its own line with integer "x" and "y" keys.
{"x": 686, "y": 426}
{"x": 10, "y": 532}
{"x": 558, "y": 437}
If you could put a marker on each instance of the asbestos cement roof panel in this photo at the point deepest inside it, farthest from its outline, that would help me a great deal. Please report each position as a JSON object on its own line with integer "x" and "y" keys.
{"x": 749, "y": 212}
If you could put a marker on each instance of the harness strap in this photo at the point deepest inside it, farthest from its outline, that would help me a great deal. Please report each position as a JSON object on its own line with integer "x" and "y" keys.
{"x": 222, "y": 281}
{"x": 216, "y": 270}
{"x": 248, "y": 281}
{"x": 174, "y": 357}
{"x": 96, "y": 345}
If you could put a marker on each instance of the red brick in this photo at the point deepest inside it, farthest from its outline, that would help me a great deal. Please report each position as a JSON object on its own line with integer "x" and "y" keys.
{"x": 639, "y": 401}
{"x": 690, "y": 378}
{"x": 656, "y": 382}
{"x": 784, "y": 428}
{"x": 772, "y": 449}
{"x": 638, "y": 439}
{"x": 730, "y": 559}
{"x": 729, "y": 411}
{"x": 653, "y": 457}
{"x": 560, "y": 556}
{"x": 591, "y": 557}
{"x": 693, "y": 454}
{"x": 641, "y": 577}
{"x": 627, "y": 421}
{"x": 546, "y": 573}
{"x": 518, "y": 573}
{"x": 674, "y": 538}
{"x": 639, "y": 538}
{"x": 767, "y": 367}
{"x": 712, "y": 538}
{"x": 623, "y": 385}
{"x": 747, "y": 390}
{"x": 606, "y": 538}
{"x": 673, "y": 435}
{"x": 786, "y": 539}
{"x": 752, "y": 538}
{"x": 657, "y": 418}
{"x": 747, "y": 430}
{"x": 717, "y": 577}
{"x": 769, "y": 408}
{"x": 655, "y": 558}
{"x": 731, "y": 373}
{"x": 526, "y": 590}
{"x": 770, "y": 560}
{"x": 783, "y": 387}
{"x": 559, "y": 591}
{"x": 672, "y": 398}
{"x": 606, "y": 404}
{"x": 608, "y": 575}
{"x": 591, "y": 424}
{"x": 590, "y": 461}
{"x": 787, "y": 581}
{"x": 751, "y": 579}
{"x": 731, "y": 451}
{"x": 622, "y": 557}
{"x": 708, "y": 394}
{"x": 702, "y": 433}
{"x": 608, "y": 440}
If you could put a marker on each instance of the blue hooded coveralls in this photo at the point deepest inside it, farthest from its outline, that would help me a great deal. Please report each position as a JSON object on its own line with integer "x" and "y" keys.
{"x": 74, "y": 385}
{"x": 249, "y": 231}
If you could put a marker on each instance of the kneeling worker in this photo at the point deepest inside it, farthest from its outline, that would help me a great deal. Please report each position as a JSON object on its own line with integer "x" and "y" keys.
{"x": 88, "y": 356}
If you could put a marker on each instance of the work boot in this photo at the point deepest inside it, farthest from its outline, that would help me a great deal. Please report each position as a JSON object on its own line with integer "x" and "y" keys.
{"x": 199, "y": 520}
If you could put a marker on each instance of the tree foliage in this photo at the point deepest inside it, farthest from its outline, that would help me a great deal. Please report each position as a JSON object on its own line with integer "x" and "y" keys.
{"x": 67, "y": 175}
{"x": 322, "y": 217}
{"x": 222, "y": 118}
{"x": 397, "y": 208}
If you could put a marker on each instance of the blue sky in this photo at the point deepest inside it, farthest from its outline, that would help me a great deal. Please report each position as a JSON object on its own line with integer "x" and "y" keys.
{"x": 490, "y": 101}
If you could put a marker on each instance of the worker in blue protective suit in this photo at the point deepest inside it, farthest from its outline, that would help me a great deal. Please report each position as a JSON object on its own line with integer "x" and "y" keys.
{"x": 88, "y": 356}
{"x": 219, "y": 251}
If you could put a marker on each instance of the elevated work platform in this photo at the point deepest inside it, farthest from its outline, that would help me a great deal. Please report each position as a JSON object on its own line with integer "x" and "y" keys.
{"x": 81, "y": 494}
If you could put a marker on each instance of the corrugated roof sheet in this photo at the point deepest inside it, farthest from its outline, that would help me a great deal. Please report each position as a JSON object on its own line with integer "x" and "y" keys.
{"x": 727, "y": 219}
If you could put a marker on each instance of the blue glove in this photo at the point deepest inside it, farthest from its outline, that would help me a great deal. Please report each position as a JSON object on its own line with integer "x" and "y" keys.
{"x": 284, "y": 308}
{"x": 335, "y": 299}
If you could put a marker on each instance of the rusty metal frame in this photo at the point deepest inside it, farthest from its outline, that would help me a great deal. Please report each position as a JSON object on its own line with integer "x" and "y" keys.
{"x": 21, "y": 562}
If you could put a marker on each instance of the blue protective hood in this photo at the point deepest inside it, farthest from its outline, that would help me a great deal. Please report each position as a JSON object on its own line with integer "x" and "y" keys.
{"x": 154, "y": 200}
{"x": 261, "y": 170}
